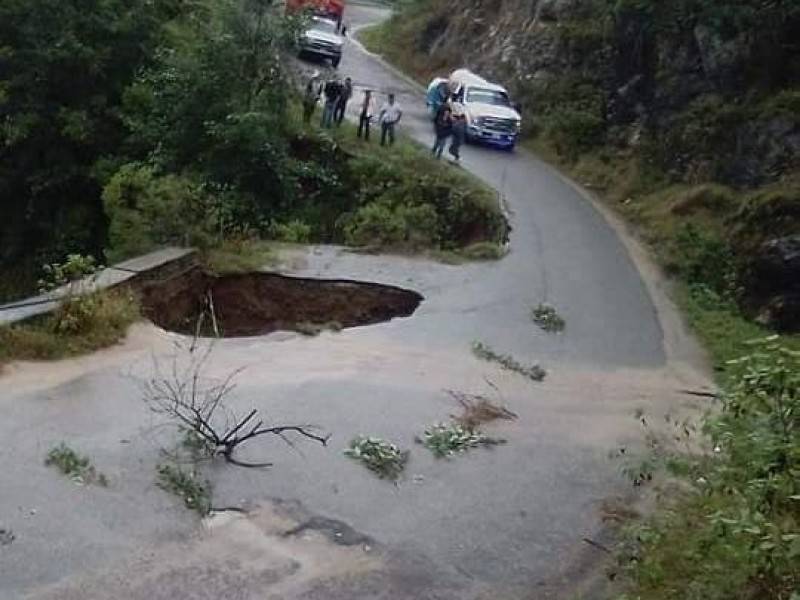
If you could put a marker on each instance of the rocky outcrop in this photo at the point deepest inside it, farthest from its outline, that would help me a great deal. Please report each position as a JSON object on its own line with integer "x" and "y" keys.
{"x": 685, "y": 79}
{"x": 776, "y": 282}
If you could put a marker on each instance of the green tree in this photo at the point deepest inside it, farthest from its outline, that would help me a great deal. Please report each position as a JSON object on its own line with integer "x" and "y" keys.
{"x": 64, "y": 65}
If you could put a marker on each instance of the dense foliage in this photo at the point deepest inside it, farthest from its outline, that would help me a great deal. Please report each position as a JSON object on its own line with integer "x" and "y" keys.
{"x": 64, "y": 67}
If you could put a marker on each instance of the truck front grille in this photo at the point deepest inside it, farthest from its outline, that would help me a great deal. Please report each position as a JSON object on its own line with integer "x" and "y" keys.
{"x": 500, "y": 125}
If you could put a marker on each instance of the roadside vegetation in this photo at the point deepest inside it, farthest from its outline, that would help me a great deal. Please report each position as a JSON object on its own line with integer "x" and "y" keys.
{"x": 84, "y": 320}
{"x": 731, "y": 529}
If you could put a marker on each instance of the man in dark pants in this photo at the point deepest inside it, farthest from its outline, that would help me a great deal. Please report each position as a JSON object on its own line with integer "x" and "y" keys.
{"x": 459, "y": 131}
{"x": 389, "y": 117}
{"x": 332, "y": 91}
{"x": 344, "y": 98}
{"x": 365, "y": 115}
{"x": 442, "y": 127}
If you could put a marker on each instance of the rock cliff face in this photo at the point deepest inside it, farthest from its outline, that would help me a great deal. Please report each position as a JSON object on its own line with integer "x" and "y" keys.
{"x": 703, "y": 84}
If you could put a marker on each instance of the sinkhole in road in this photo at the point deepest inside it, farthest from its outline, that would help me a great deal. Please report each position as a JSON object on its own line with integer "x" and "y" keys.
{"x": 249, "y": 304}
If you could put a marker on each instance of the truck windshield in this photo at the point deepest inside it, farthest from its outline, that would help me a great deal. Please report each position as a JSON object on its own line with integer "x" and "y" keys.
{"x": 325, "y": 25}
{"x": 486, "y": 96}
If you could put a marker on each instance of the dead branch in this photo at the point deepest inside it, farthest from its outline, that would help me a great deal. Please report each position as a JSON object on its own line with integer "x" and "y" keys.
{"x": 478, "y": 410}
{"x": 197, "y": 404}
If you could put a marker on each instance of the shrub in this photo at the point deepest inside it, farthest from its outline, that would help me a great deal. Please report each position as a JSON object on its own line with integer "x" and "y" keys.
{"x": 733, "y": 533}
{"x": 395, "y": 227}
{"x": 705, "y": 262}
{"x": 105, "y": 324}
{"x": 142, "y": 207}
{"x": 573, "y": 130}
{"x": 293, "y": 232}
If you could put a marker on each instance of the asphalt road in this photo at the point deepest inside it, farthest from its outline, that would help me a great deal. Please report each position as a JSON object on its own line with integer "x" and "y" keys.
{"x": 501, "y": 523}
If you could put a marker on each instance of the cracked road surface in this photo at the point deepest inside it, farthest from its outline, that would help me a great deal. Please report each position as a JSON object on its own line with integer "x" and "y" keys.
{"x": 502, "y": 523}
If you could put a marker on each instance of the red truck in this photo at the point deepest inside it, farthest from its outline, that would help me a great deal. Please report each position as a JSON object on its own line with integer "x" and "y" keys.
{"x": 332, "y": 9}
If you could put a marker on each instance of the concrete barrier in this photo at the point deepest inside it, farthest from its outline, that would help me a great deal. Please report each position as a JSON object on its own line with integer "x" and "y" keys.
{"x": 156, "y": 265}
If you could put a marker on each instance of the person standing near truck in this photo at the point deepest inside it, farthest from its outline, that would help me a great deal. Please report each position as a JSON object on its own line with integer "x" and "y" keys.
{"x": 442, "y": 128}
{"x": 459, "y": 131}
{"x": 344, "y": 98}
{"x": 332, "y": 92}
{"x": 389, "y": 117}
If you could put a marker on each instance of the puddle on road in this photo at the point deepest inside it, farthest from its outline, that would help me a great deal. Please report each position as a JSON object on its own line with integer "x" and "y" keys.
{"x": 259, "y": 303}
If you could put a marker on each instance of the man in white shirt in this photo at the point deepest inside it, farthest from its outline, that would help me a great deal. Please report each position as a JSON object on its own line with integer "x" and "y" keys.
{"x": 389, "y": 116}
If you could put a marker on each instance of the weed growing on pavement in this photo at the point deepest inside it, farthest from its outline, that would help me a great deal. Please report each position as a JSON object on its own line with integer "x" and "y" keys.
{"x": 547, "y": 318}
{"x": 487, "y": 353}
{"x": 384, "y": 459}
{"x": 78, "y": 468}
{"x": 444, "y": 440}
{"x": 194, "y": 491}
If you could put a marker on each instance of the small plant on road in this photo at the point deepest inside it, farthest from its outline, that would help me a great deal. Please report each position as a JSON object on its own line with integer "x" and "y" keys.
{"x": 187, "y": 485}
{"x": 384, "y": 459}
{"x": 547, "y": 318}
{"x": 487, "y": 353}
{"x": 444, "y": 440}
{"x": 73, "y": 465}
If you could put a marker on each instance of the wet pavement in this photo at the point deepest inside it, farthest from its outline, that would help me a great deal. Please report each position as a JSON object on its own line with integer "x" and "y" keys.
{"x": 502, "y": 523}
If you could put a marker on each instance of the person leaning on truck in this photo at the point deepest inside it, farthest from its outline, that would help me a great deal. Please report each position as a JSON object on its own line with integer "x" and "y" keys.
{"x": 443, "y": 128}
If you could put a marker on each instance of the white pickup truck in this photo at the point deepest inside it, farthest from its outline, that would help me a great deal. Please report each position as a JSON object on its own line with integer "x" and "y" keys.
{"x": 491, "y": 117}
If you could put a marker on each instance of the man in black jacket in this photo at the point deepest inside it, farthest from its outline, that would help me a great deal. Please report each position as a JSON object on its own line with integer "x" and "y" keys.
{"x": 332, "y": 92}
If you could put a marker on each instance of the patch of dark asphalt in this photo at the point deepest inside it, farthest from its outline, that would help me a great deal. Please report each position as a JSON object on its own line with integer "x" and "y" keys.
{"x": 6, "y": 537}
{"x": 336, "y": 531}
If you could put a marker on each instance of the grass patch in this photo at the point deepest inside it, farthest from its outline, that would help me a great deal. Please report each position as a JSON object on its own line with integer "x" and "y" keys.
{"x": 484, "y": 352}
{"x": 547, "y": 318}
{"x": 384, "y": 459}
{"x": 75, "y": 466}
{"x": 194, "y": 492}
{"x": 112, "y": 313}
{"x": 240, "y": 256}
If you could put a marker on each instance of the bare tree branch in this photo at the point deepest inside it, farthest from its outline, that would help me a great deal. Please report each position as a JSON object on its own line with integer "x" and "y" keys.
{"x": 198, "y": 405}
